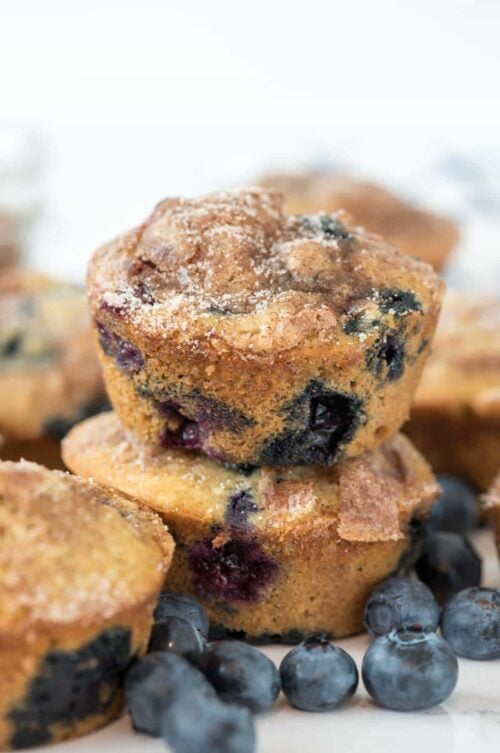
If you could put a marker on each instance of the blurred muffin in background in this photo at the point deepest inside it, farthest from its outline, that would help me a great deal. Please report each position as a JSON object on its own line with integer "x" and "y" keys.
{"x": 416, "y": 231}
{"x": 455, "y": 419}
{"x": 49, "y": 374}
{"x": 9, "y": 242}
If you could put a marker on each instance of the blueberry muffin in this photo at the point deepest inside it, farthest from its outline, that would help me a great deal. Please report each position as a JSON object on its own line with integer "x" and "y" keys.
{"x": 455, "y": 419}
{"x": 273, "y": 554}
{"x": 49, "y": 374}
{"x": 80, "y": 572}
{"x": 415, "y": 231}
{"x": 493, "y": 509}
{"x": 258, "y": 338}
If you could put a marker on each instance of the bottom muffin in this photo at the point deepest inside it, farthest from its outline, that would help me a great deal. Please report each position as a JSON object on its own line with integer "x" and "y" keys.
{"x": 80, "y": 573}
{"x": 272, "y": 553}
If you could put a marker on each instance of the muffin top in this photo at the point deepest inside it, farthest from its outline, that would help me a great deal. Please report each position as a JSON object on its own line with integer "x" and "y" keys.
{"x": 377, "y": 209}
{"x": 369, "y": 498}
{"x": 71, "y": 552}
{"x": 235, "y": 268}
{"x": 463, "y": 371}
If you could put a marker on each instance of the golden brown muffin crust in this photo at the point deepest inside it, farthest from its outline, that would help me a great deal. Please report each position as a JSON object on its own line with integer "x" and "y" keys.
{"x": 284, "y": 278}
{"x": 66, "y": 549}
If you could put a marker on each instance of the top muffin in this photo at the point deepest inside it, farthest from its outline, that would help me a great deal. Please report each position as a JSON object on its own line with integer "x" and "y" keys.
{"x": 415, "y": 231}
{"x": 258, "y": 337}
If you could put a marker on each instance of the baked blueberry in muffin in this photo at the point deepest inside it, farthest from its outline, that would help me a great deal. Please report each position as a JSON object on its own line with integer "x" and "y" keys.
{"x": 455, "y": 418}
{"x": 415, "y": 231}
{"x": 80, "y": 572}
{"x": 226, "y": 326}
{"x": 274, "y": 553}
{"x": 49, "y": 375}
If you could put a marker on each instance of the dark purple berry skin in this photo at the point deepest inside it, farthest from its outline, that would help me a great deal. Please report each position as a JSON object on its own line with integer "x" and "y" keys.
{"x": 240, "y": 506}
{"x": 236, "y": 572}
{"x": 401, "y": 603}
{"x": 172, "y": 604}
{"x": 70, "y": 686}
{"x": 456, "y": 510}
{"x": 447, "y": 565}
{"x": 241, "y": 674}
{"x": 410, "y": 670}
{"x": 471, "y": 623}
{"x": 193, "y": 724}
{"x": 126, "y": 355}
{"x": 179, "y": 637}
{"x": 155, "y": 682}
{"x": 318, "y": 676}
{"x": 318, "y": 423}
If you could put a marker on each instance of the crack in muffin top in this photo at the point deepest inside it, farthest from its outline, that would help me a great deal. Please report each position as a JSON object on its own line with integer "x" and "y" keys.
{"x": 237, "y": 253}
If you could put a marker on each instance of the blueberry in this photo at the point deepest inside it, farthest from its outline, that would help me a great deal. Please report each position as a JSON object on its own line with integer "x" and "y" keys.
{"x": 70, "y": 686}
{"x": 448, "y": 564}
{"x": 179, "y": 636}
{"x": 155, "y": 682}
{"x": 236, "y": 572}
{"x": 410, "y": 670}
{"x": 240, "y": 506}
{"x": 193, "y": 724}
{"x": 178, "y": 605}
{"x": 318, "y": 676}
{"x": 319, "y": 422}
{"x": 400, "y": 603}
{"x": 241, "y": 674}
{"x": 387, "y": 357}
{"x": 456, "y": 510}
{"x": 471, "y": 623}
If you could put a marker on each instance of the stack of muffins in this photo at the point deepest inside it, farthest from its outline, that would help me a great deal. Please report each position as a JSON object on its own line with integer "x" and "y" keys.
{"x": 260, "y": 366}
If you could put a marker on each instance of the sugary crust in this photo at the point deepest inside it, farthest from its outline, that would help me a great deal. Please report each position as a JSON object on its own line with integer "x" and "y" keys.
{"x": 77, "y": 563}
{"x": 66, "y": 552}
{"x": 455, "y": 419}
{"x": 48, "y": 366}
{"x": 227, "y": 297}
{"x": 337, "y": 530}
{"x": 416, "y": 231}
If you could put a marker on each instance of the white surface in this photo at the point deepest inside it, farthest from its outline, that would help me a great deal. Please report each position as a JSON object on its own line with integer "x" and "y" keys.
{"x": 469, "y": 722}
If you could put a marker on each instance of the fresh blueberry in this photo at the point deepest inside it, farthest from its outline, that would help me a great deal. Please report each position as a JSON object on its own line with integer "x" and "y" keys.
{"x": 448, "y": 564}
{"x": 471, "y": 623}
{"x": 241, "y": 674}
{"x": 179, "y": 636}
{"x": 155, "y": 682}
{"x": 456, "y": 510}
{"x": 318, "y": 676}
{"x": 400, "y": 603}
{"x": 410, "y": 670}
{"x": 178, "y": 605}
{"x": 194, "y": 724}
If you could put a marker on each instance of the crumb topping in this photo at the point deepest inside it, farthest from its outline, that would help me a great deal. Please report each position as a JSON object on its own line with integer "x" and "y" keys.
{"x": 66, "y": 548}
{"x": 234, "y": 264}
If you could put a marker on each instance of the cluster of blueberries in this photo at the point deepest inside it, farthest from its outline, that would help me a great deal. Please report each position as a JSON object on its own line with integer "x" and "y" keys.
{"x": 200, "y": 696}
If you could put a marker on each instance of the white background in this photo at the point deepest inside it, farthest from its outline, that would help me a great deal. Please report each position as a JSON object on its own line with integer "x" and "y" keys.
{"x": 136, "y": 100}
